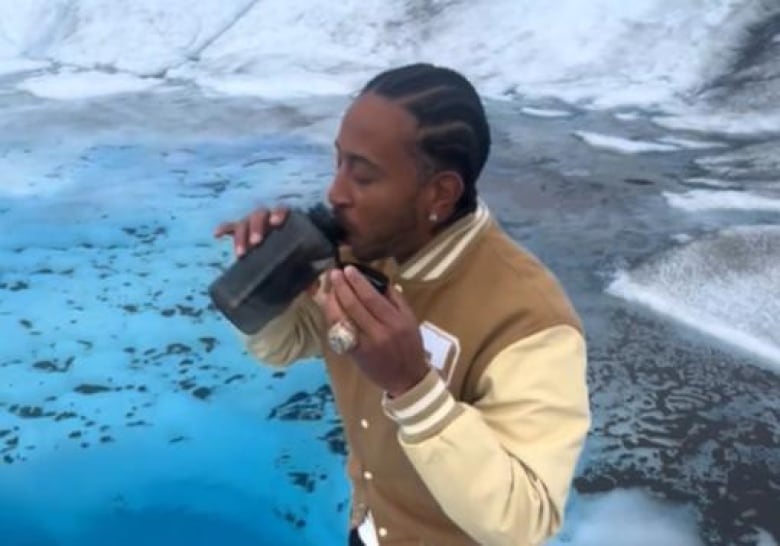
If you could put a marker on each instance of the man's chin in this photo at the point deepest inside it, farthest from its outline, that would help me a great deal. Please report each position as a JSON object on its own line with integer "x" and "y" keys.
{"x": 362, "y": 253}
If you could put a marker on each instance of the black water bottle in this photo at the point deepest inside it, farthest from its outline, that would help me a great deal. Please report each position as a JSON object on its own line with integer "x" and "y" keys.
{"x": 263, "y": 282}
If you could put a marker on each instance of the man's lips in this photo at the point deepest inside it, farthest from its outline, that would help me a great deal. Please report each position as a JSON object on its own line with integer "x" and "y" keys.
{"x": 346, "y": 227}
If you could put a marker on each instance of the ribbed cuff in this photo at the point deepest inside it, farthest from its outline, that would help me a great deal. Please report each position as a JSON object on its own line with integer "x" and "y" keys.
{"x": 423, "y": 411}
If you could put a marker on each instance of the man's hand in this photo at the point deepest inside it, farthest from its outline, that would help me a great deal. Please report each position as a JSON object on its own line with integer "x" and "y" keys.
{"x": 390, "y": 349}
{"x": 251, "y": 231}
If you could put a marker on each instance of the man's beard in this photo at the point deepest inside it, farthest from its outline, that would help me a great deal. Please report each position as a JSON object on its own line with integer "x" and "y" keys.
{"x": 397, "y": 242}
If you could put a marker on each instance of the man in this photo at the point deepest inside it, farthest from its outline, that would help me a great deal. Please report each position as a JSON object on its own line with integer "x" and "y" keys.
{"x": 462, "y": 390}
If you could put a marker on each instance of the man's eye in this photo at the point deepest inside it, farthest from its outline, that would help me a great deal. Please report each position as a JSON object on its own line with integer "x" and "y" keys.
{"x": 363, "y": 180}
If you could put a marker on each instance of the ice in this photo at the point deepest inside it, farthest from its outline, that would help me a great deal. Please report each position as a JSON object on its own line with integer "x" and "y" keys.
{"x": 545, "y": 112}
{"x": 128, "y": 405}
{"x": 764, "y": 538}
{"x": 110, "y": 250}
{"x": 723, "y": 121}
{"x": 602, "y": 53}
{"x": 12, "y": 66}
{"x": 755, "y": 161}
{"x": 288, "y": 86}
{"x": 690, "y": 143}
{"x": 724, "y": 285}
{"x": 26, "y": 174}
{"x": 626, "y": 517}
{"x": 623, "y": 145}
{"x": 85, "y": 85}
{"x": 318, "y": 37}
{"x": 628, "y": 116}
{"x": 703, "y": 181}
{"x": 145, "y": 37}
{"x": 698, "y": 200}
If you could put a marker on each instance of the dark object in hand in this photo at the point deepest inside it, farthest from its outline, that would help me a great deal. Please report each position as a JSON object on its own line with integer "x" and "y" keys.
{"x": 262, "y": 283}
{"x": 377, "y": 279}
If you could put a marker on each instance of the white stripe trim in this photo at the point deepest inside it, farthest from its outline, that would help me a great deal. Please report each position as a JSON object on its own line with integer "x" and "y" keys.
{"x": 481, "y": 220}
{"x": 421, "y": 262}
{"x": 422, "y": 404}
{"x": 432, "y": 420}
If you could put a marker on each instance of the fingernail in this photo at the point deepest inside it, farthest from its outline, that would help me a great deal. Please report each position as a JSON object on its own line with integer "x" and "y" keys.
{"x": 398, "y": 288}
{"x": 255, "y": 238}
{"x": 275, "y": 218}
{"x": 239, "y": 250}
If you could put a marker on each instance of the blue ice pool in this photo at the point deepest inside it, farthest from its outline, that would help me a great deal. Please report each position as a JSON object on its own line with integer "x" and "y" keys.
{"x": 129, "y": 411}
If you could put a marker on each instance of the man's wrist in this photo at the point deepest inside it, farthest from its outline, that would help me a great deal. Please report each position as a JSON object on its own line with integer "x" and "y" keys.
{"x": 408, "y": 385}
{"x": 424, "y": 410}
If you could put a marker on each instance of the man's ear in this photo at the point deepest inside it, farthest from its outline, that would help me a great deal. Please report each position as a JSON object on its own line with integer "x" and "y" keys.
{"x": 446, "y": 188}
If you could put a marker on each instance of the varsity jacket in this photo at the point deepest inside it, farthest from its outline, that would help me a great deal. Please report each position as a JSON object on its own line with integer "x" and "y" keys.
{"x": 484, "y": 448}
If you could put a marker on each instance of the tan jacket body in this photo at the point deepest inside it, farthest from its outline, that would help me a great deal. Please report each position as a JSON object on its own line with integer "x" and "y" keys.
{"x": 483, "y": 450}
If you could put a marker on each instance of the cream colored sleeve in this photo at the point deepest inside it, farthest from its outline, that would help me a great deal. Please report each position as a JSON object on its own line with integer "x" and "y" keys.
{"x": 502, "y": 467}
{"x": 293, "y": 335}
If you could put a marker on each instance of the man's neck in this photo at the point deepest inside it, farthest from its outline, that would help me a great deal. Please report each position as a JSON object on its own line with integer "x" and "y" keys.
{"x": 413, "y": 249}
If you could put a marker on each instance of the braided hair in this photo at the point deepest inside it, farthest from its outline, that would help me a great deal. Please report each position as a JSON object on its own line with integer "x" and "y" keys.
{"x": 453, "y": 132}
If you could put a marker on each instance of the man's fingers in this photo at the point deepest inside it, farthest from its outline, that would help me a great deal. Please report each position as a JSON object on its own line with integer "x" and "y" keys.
{"x": 331, "y": 307}
{"x": 224, "y": 228}
{"x": 257, "y": 226}
{"x": 353, "y": 305}
{"x": 278, "y": 217}
{"x": 240, "y": 235}
{"x": 253, "y": 229}
{"x": 371, "y": 299}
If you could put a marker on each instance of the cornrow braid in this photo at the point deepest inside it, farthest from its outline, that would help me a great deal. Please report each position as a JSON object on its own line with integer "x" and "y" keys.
{"x": 453, "y": 130}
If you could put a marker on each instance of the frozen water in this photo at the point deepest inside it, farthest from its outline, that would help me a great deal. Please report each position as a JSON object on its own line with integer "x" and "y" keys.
{"x": 602, "y": 53}
{"x": 127, "y": 405}
{"x": 128, "y": 408}
{"x": 725, "y": 285}
{"x": 545, "y": 112}
{"x": 623, "y": 145}
{"x": 12, "y": 66}
{"x": 627, "y": 517}
{"x": 697, "y": 200}
{"x": 84, "y": 85}
{"x": 690, "y": 143}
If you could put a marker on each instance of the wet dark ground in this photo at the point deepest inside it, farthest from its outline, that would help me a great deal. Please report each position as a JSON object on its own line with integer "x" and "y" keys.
{"x": 678, "y": 413}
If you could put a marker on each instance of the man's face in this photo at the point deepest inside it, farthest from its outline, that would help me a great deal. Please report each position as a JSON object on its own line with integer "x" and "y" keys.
{"x": 376, "y": 192}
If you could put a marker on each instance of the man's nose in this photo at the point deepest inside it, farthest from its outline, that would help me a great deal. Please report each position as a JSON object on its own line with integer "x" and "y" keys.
{"x": 338, "y": 192}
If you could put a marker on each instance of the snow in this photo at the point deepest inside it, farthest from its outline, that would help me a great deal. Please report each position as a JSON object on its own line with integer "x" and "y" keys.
{"x": 713, "y": 183}
{"x": 691, "y": 144}
{"x": 698, "y": 200}
{"x": 623, "y": 145}
{"x": 545, "y": 112}
{"x": 85, "y": 85}
{"x": 729, "y": 123}
{"x": 12, "y": 66}
{"x": 601, "y": 53}
{"x": 79, "y": 211}
{"x": 724, "y": 285}
{"x": 626, "y": 517}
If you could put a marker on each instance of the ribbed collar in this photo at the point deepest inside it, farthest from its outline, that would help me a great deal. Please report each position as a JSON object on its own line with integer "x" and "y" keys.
{"x": 436, "y": 257}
